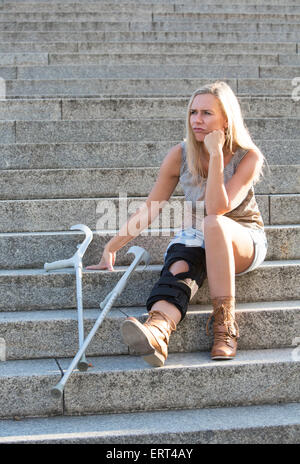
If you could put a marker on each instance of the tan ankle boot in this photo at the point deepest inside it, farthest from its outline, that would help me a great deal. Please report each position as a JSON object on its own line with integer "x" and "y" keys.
{"x": 150, "y": 339}
{"x": 225, "y": 328}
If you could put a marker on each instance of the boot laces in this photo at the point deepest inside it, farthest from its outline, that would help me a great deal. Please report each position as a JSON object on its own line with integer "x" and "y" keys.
{"x": 223, "y": 316}
{"x": 154, "y": 319}
{"x": 223, "y": 337}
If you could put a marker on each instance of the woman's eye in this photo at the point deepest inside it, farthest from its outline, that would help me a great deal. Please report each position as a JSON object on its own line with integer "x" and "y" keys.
{"x": 194, "y": 112}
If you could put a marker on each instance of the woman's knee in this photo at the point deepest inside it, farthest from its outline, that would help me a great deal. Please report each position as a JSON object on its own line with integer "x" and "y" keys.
{"x": 215, "y": 222}
{"x": 179, "y": 266}
{"x": 179, "y": 278}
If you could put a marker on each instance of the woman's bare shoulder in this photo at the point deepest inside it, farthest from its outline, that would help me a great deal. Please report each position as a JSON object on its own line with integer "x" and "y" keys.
{"x": 172, "y": 160}
{"x": 252, "y": 157}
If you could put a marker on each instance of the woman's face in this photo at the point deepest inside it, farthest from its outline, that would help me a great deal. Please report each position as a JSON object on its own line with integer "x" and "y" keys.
{"x": 206, "y": 116}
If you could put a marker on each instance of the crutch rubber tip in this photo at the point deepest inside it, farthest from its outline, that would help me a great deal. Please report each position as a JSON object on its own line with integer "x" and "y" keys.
{"x": 56, "y": 392}
{"x": 83, "y": 366}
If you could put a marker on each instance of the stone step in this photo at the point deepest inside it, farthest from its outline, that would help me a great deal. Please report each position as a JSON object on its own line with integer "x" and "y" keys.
{"x": 191, "y": 368}
{"x": 54, "y": 333}
{"x": 11, "y": 53}
{"x": 251, "y": 107}
{"x": 235, "y": 15}
{"x": 253, "y": 378}
{"x": 19, "y": 30}
{"x": 108, "y": 7}
{"x": 289, "y": 59}
{"x": 141, "y": 15}
{"x": 281, "y": 207}
{"x": 141, "y": 87}
{"x": 169, "y": 58}
{"x": 279, "y": 71}
{"x": 114, "y": 154}
{"x": 189, "y": 47}
{"x": 7, "y": 72}
{"x": 144, "y": 47}
{"x": 59, "y": 214}
{"x": 129, "y": 71}
{"x": 105, "y": 71}
{"x": 185, "y": 2}
{"x": 135, "y": 59}
{"x": 272, "y": 424}
{"x": 103, "y": 7}
{"x": 93, "y": 183}
{"x": 33, "y": 289}
{"x": 125, "y": 108}
{"x": 170, "y": 36}
{"x": 129, "y": 130}
{"x": 32, "y": 250}
{"x": 9, "y": 60}
{"x": 235, "y": 8}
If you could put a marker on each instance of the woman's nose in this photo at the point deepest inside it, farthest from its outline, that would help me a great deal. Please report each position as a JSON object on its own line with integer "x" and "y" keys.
{"x": 199, "y": 117}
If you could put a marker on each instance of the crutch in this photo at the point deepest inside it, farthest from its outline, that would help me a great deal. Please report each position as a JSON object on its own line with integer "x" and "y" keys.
{"x": 105, "y": 305}
{"x": 76, "y": 262}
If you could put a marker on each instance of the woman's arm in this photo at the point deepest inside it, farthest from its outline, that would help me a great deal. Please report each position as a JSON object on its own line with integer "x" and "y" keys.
{"x": 221, "y": 198}
{"x": 161, "y": 192}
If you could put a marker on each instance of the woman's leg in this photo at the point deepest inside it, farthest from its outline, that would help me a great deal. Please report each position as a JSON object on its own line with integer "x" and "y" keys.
{"x": 163, "y": 320}
{"x": 181, "y": 276}
{"x": 165, "y": 306}
{"x": 229, "y": 250}
{"x": 151, "y": 339}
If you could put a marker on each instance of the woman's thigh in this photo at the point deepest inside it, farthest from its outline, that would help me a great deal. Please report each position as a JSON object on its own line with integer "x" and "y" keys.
{"x": 242, "y": 243}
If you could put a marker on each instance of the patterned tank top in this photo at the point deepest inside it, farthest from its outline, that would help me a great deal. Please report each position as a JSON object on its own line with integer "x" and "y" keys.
{"x": 246, "y": 213}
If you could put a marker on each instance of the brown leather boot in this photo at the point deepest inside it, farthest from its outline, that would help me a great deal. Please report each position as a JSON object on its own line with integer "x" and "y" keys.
{"x": 225, "y": 328}
{"x": 150, "y": 339}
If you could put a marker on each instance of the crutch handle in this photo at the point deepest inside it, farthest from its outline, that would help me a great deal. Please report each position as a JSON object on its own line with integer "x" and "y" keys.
{"x": 88, "y": 238}
{"x": 76, "y": 258}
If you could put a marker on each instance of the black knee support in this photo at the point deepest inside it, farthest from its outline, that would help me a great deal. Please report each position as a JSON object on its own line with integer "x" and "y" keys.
{"x": 177, "y": 289}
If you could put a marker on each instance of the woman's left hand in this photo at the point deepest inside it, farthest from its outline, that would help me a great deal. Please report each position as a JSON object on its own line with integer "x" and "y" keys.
{"x": 214, "y": 142}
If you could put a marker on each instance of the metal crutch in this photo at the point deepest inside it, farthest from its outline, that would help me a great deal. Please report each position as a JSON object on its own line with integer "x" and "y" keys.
{"x": 105, "y": 305}
{"x": 76, "y": 262}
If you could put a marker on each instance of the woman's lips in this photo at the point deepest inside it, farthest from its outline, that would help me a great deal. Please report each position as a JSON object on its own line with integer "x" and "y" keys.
{"x": 198, "y": 129}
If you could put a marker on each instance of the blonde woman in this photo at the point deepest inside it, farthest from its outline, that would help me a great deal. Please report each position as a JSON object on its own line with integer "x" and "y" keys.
{"x": 217, "y": 165}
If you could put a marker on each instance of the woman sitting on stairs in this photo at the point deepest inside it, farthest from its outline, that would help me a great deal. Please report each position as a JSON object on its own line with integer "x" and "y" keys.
{"x": 217, "y": 165}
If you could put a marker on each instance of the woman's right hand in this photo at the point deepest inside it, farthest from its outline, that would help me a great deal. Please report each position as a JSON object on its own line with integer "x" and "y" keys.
{"x": 107, "y": 261}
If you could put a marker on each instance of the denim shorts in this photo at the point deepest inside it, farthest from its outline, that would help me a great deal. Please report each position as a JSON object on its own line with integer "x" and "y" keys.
{"x": 195, "y": 237}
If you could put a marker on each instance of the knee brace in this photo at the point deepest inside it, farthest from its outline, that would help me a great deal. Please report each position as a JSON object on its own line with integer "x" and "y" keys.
{"x": 177, "y": 289}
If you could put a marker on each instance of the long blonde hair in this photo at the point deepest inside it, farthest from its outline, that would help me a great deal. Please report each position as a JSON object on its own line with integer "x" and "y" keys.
{"x": 236, "y": 134}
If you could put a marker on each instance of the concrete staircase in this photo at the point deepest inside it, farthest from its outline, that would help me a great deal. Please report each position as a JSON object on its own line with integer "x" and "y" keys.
{"x": 95, "y": 97}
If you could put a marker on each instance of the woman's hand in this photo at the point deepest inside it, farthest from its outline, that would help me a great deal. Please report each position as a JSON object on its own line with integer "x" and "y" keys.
{"x": 107, "y": 261}
{"x": 214, "y": 142}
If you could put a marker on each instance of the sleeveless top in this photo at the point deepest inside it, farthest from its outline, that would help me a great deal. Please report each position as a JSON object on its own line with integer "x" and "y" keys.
{"x": 246, "y": 213}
